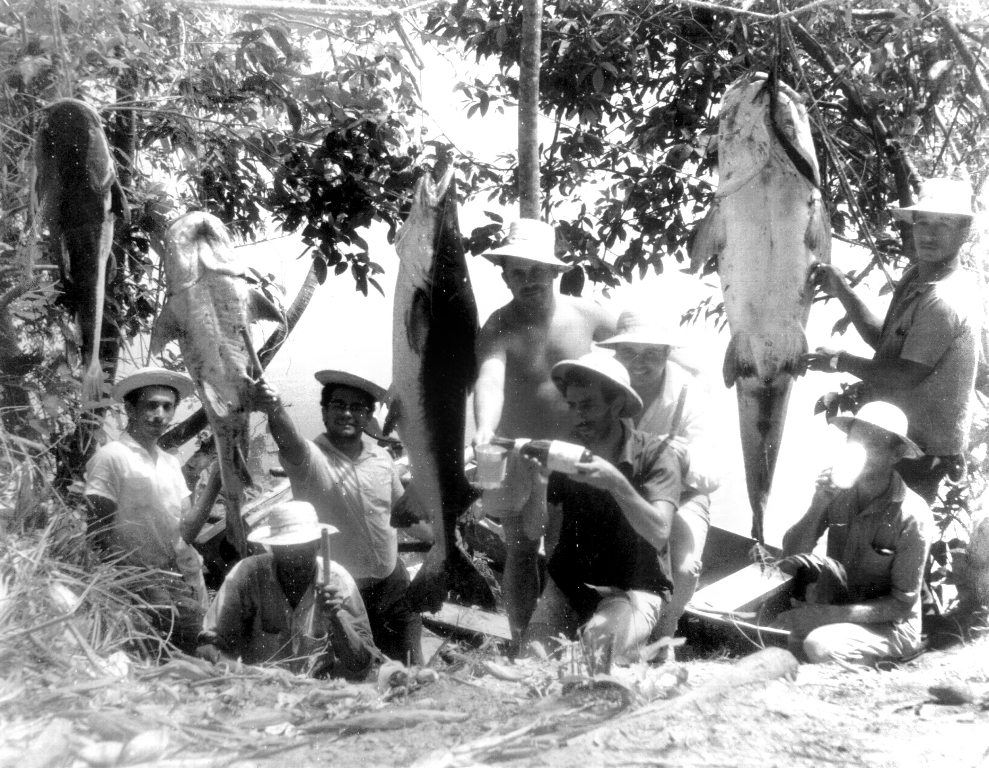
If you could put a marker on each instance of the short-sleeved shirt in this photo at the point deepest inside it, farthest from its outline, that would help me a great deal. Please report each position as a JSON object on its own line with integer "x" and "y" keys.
{"x": 695, "y": 427}
{"x": 148, "y": 490}
{"x": 883, "y": 548}
{"x": 598, "y": 545}
{"x": 357, "y": 497}
{"x": 251, "y": 618}
{"x": 937, "y": 324}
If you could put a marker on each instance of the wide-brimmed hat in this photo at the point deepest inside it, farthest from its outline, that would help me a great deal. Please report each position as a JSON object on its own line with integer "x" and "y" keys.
{"x": 951, "y": 197}
{"x": 603, "y": 366}
{"x": 291, "y": 522}
{"x": 531, "y": 240}
{"x": 636, "y": 326}
{"x": 886, "y": 417}
{"x": 153, "y": 376}
{"x": 345, "y": 379}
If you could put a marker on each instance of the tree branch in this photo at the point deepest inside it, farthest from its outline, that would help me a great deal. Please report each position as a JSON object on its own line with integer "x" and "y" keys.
{"x": 963, "y": 52}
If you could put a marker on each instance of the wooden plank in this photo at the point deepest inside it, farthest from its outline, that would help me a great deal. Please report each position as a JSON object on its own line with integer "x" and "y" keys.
{"x": 743, "y": 591}
{"x": 461, "y": 618}
{"x": 253, "y": 511}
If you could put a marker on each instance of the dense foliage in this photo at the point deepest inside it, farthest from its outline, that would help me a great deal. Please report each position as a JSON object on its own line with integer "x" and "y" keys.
{"x": 895, "y": 92}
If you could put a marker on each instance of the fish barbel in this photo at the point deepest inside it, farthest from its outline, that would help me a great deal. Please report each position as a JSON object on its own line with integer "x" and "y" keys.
{"x": 434, "y": 366}
{"x": 767, "y": 226}
{"x": 209, "y": 307}
{"x": 78, "y": 194}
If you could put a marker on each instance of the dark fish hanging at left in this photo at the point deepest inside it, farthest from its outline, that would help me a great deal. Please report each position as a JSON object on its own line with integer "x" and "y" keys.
{"x": 78, "y": 197}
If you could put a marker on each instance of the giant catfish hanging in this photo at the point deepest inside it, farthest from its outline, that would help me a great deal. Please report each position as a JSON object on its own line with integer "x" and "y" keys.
{"x": 78, "y": 195}
{"x": 209, "y": 308}
{"x": 434, "y": 366}
{"x": 767, "y": 226}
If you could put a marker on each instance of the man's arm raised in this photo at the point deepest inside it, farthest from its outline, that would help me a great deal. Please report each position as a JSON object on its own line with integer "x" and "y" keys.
{"x": 290, "y": 441}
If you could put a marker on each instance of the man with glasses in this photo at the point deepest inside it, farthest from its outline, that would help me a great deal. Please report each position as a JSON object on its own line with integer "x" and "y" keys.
{"x": 353, "y": 484}
{"x": 863, "y": 604}
{"x": 927, "y": 347}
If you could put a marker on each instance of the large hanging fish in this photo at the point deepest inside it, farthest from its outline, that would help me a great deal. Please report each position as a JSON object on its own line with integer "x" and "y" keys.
{"x": 434, "y": 366}
{"x": 78, "y": 195}
{"x": 209, "y": 309}
{"x": 766, "y": 227}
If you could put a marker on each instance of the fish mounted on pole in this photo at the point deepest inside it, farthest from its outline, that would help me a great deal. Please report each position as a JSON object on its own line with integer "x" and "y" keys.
{"x": 78, "y": 196}
{"x": 434, "y": 366}
{"x": 766, "y": 228}
{"x": 209, "y": 309}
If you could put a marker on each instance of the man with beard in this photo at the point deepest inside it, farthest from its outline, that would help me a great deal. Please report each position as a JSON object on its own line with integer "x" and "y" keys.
{"x": 140, "y": 505}
{"x": 609, "y": 576}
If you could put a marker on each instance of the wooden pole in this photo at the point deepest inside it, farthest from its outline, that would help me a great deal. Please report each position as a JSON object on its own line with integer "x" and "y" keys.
{"x": 529, "y": 195}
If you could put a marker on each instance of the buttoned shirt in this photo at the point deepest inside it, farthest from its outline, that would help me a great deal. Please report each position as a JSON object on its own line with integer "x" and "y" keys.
{"x": 695, "y": 427}
{"x": 356, "y": 496}
{"x": 883, "y": 547}
{"x": 252, "y": 619}
{"x": 598, "y": 545}
{"x": 937, "y": 324}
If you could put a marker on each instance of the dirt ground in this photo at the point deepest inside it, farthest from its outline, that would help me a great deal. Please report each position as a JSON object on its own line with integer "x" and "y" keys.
{"x": 480, "y": 709}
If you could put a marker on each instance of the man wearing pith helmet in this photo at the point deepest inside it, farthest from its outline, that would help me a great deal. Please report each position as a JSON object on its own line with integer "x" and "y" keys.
{"x": 515, "y": 396}
{"x": 353, "y": 485}
{"x": 676, "y": 405}
{"x": 864, "y": 603}
{"x": 609, "y": 576}
{"x": 927, "y": 346}
{"x": 279, "y": 607}
{"x": 140, "y": 504}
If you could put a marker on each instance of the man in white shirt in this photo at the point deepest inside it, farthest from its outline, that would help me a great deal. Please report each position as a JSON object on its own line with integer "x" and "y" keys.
{"x": 140, "y": 505}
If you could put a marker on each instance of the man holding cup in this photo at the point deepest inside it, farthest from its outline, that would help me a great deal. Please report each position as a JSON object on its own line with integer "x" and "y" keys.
{"x": 515, "y": 396}
{"x": 864, "y": 603}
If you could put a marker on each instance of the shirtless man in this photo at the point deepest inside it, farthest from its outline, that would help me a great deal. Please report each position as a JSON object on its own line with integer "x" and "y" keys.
{"x": 515, "y": 395}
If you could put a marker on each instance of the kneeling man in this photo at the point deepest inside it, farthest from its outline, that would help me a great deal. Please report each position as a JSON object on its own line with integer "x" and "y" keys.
{"x": 609, "y": 572}
{"x": 879, "y": 532}
{"x": 273, "y": 609}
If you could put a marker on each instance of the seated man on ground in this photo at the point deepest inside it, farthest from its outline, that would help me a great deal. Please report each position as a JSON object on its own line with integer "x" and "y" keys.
{"x": 865, "y": 607}
{"x": 675, "y": 405}
{"x": 609, "y": 576}
{"x": 273, "y": 608}
{"x": 140, "y": 506}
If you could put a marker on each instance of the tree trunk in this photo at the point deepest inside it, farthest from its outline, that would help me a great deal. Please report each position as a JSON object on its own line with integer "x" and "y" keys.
{"x": 529, "y": 192}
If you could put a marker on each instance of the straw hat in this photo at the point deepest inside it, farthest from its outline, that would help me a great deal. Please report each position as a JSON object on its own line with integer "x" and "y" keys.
{"x": 153, "y": 376}
{"x": 639, "y": 327}
{"x": 291, "y": 522}
{"x": 886, "y": 417}
{"x": 531, "y": 240}
{"x": 345, "y": 379}
{"x": 603, "y": 366}
{"x": 952, "y": 197}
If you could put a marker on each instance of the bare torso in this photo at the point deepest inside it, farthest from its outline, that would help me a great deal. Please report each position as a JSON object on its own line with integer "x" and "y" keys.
{"x": 533, "y": 407}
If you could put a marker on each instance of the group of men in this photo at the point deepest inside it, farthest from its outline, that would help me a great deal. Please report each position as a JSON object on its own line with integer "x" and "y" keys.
{"x": 622, "y": 535}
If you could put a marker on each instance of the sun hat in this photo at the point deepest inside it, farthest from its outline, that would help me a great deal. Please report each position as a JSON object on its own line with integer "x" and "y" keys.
{"x": 291, "y": 522}
{"x": 528, "y": 239}
{"x": 153, "y": 376}
{"x": 886, "y": 417}
{"x": 636, "y": 326}
{"x": 345, "y": 379}
{"x": 603, "y": 366}
{"x": 952, "y": 197}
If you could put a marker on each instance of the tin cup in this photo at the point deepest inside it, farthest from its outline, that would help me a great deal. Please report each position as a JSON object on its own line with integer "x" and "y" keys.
{"x": 492, "y": 462}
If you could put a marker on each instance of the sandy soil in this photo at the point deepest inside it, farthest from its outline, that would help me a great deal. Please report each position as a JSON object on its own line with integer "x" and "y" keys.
{"x": 483, "y": 710}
